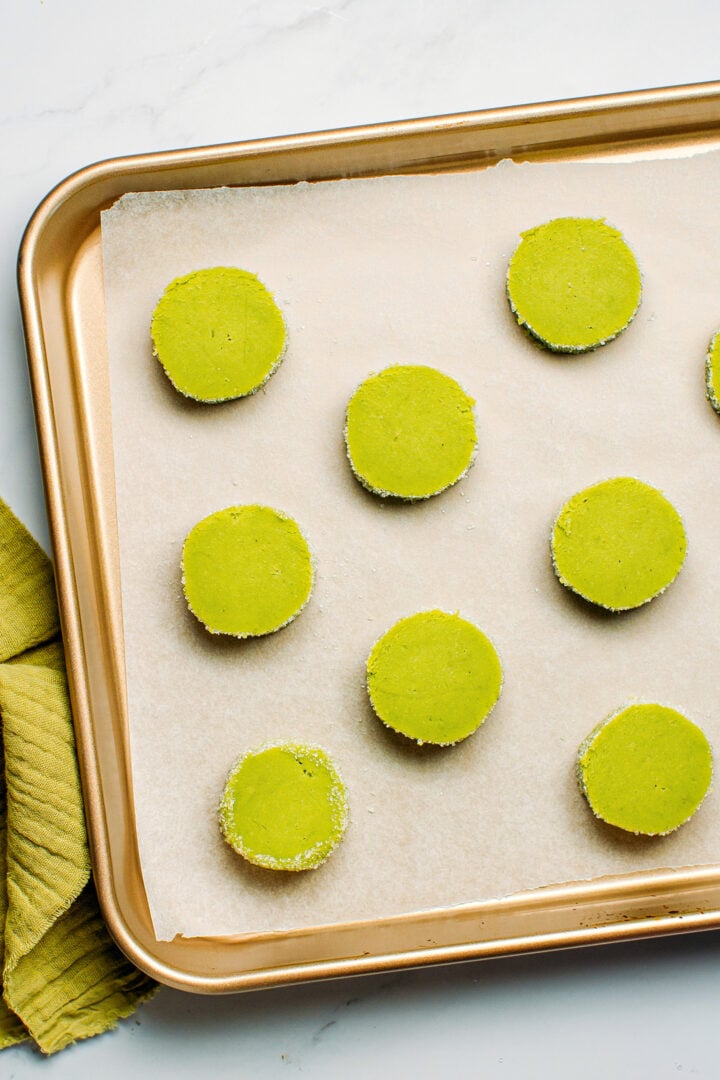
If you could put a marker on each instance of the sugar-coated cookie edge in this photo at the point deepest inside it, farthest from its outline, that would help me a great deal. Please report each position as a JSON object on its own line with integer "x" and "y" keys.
{"x": 232, "y": 397}
{"x": 305, "y": 860}
{"x": 572, "y": 350}
{"x": 596, "y": 603}
{"x": 404, "y": 734}
{"x": 266, "y": 633}
{"x": 587, "y": 743}
{"x": 710, "y": 393}
{"x": 380, "y": 492}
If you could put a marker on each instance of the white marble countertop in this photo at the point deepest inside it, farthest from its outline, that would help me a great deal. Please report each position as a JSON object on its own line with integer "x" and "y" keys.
{"x": 83, "y": 81}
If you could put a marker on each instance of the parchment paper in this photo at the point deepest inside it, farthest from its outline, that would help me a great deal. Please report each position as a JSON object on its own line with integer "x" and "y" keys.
{"x": 400, "y": 270}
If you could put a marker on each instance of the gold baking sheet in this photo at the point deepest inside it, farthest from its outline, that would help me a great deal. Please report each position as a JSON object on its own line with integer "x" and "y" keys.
{"x": 61, "y": 289}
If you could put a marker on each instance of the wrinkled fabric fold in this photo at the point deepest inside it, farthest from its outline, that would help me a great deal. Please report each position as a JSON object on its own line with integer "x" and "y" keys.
{"x": 63, "y": 979}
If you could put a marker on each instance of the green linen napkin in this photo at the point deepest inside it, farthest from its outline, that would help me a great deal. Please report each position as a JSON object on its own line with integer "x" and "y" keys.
{"x": 62, "y": 977}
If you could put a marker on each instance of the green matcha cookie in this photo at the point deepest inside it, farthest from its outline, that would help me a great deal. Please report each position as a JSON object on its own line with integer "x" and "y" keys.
{"x": 433, "y": 677}
{"x": 573, "y": 283}
{"x": 618, "y": 543}
{"x": 246, "y": 571}
{"x": 218, "y": 334}
{"x": 284, "y": 807}
{"x": 645, "y": 769}
{"x": 410, "y": 432}
{"x": 712, "y": 372}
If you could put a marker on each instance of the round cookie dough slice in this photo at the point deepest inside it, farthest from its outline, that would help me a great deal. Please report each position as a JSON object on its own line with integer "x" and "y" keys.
{"x": 645, "y": 769}
{"x": 618, "y": 543}
{"x": 712, "y": 372}
{"x": 246, "y": 571}
{"x": 218, "y": 334}
{"x": 284, "y": 807}
{"x": 410, "y": 432}
{"x": 434, "y": 677}
{"x": 573, "y": 283}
